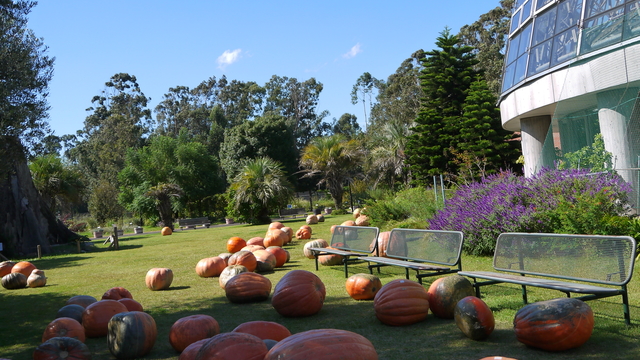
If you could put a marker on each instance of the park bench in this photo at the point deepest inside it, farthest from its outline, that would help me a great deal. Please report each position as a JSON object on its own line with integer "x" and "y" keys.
{"x": 593, "y": 265}
{"x": 192, "y": 223}
{"x": 293, "y": 213}
{"x": 350, "y": 242}
{"x": 428, "y": 252}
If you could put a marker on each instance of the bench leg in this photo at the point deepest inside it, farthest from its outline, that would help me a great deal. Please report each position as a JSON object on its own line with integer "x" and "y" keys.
{"x": 625, "y": 306}
{"x": 524, "y": 294}
{"x": 477, "y": 287}
{"x": 346, "y": 269}
{"x": 406, "y": 273}
{"x": 316, "y": 256}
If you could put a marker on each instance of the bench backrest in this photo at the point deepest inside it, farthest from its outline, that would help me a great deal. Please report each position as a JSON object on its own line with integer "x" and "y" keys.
{"x": 593, "y": 258}
{"x": 434, "y": 246}
{"x": 198, "y": 221}
{"x": 355, "y": 238}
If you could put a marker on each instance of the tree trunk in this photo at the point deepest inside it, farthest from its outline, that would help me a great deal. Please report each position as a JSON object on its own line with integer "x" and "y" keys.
{"x": 25, "y": 219}
{"x": 164, "y": 210}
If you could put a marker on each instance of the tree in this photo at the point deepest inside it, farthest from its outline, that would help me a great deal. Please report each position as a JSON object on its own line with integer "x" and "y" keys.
{"x": 446, "y": 78}
{"x": 240, "y": 100}
{"x": 347, "y": 125}
{"x": 334, "y": 160}
{"x": 261, "y": 185}
{"x": 25, "y": 72}
{"x": 363, "y": 89}
{"x": 59, "y": 184}
{"x": 388, "y": 159}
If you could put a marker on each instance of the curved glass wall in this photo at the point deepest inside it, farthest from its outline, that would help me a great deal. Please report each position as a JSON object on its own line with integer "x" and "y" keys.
{"x": 548, "y": 33}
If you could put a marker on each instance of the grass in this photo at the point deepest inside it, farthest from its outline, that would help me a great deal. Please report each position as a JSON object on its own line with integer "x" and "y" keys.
{"x": 26, "y": 312}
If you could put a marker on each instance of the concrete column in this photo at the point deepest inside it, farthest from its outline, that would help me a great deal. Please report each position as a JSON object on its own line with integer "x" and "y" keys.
{"x": 534, "y": 132}
{"x": 613, "y": 127}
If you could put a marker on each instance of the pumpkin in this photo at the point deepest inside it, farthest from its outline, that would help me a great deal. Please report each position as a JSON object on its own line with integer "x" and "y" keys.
{"x": 235, "y": 243}
{"x": 356, "y": 213}
{"x": 288, "y": 255}
{"x": 82, "y": 300}
{"x": 299, "y": 293}
{"x": 363, "y": 220}
{"x": 275, "y": 237}
{"x": 363, "y": 286}
{"x": 190, "y": 329}
{"x": 307, "y": 227}
{"x": 5, "y": 268}
{"x": 474, "y": 318}
{"x": 229, "y": 272}
{"x": 276, "y": 225}
{"x": 166, "y": 231}
{"x": 331, "y": 259}
{"x": 303, "y": 234}
{"x": 554, "y": 325}
{"x": 247, "y": 287}
{"x": 348, "y": 223}
{"x": 312, "y": 219}
{"x": 211, "y": 266}
{"x": 116, "y": 293}
{"x": 270, "y": 343}
{"x": 14, "y": 281}
{"x": 252, "y": 248}
{"x": 319, "y": 243}
{"x": 159, "y": 279}
{"x": 23, "y": 267}
{"x": 244, "y": 258}
{"x": 320, "y": 218}
{"x": 326, "y": 344}
{"x": 131, "y": 334}
{"x": 445, "y": 292}
{"x": 73, "y": 311}
{"x": 279, "y": 253}
{"x": 401, "y": 302}
{"x": 36, "y": 279}
{"x": 264, "y": 330}
{"x": 64, "y": 327}
{"x": 256, "y": 241}
{"x": 225, "y": 257}
{"x": 383, "y": 241}
{"x": 131, "y": 304}
{"x": 233, "y": 346}
{"x": 289, "y": 231}
{"x": 63, "y": 348}
{"x": 190, "y": 352}
{"x": 95, "y": 318}
{"x": 266, "y": 261}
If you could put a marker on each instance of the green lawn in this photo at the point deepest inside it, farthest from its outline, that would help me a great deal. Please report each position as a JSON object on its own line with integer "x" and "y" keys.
{"x": 25, "y": 313}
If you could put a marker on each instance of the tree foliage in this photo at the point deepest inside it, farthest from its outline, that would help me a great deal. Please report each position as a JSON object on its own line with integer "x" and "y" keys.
{"x": 59, "y": 184}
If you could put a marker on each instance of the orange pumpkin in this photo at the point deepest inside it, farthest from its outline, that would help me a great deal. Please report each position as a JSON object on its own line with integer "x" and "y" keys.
{"x": 275, "y": 237}
{"x": 256, "y": 241}
{"x": 276, "y": 225}
{"x": 62, "y": 327}
{"x": 23, "y": 267}
{"x": 252, "y": 248}
{"x": 264, "y": 330}
{"x": 299, "y": 293}
{"x": 445, "y": 292}
{"x": 331, "y": 259}
{"x": 95, "y": 318}
{"x": 401, "y": 302}
{"x": 190, "y": 329}
{"x": 383, "y": 241}
{"x": 266, "y": 261}
{"x": 210, "y": 267}
{"x": 323, "y": 344}
{"x": 279, "y": 253}
{"x": 349, "y": 223}
{"x": 474, "y": 318}
{"x": 166, "y": 231}
{"x": 116, "y": 293}
{"x": 303, "y": 234}
{"x": 190, "y": 352}
{"x": 247, "y": 287}
{"x": 235, "y": 243}
{"x": 82, "y": 300}
{"x": 318, "y": 243}
{"x": 307, "y": 227}
{"x": 159, "y": 279}
{"x": 233, "y": 346}
{"x": 244, "y": 258}
{"x": 5, "y": 267}
{"x": 363, "y": 286}
{"x": 131, "y": 304}
{"x": 289, "y": 231}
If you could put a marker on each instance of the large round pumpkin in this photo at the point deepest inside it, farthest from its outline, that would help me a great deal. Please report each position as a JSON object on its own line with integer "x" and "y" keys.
{"x": 382, "y": 240}
{"x": 326, "y": 344}
{"x": 266, "y": 261}
{"x": 401, "y": 302}
{"x": 131, "y": 304}
{"x": 210, "y": 267}
{"x": 233, "y": 346}
{"x": 131, "y": 334}
{"x": 62, "y": 348}
{"x": 190, "y": 329}
{"x": 252, "y": 248}
{"x": 275, "y": 237}
{"x": 73, "y": 311}
{"x": 159, "y": 279}
{"x": 554, "y": 325}
{"x": 244, "y": 258}
{"x": 331, "y": 259}
{"x": 5, "y": 267}
{"x": 190, "y": 352}
{"x": 298, "y": 293}
{"x": 64, "y": 327}
{"x": 349, "y": 223}
{"x": 363, "y": 286}
{"x": 82, "y": 300}
{"x": 474, "y": 318}
{"x": 95, "y": 318}
{"x": 235, "y": 243}
{"x": 264, "y": 330}
{"x": 312, "y": 220}
{"x": 319, "y": 243}
{"x": 289, "y": 231}
{"x": 247, "y": 287}
{"x": 166, "y": 231}
{"x": 279, "y": 253}
{"x": 116, "y": 293}
{"x": 445, "y": 292}
{"x": 256, "y": 241}
{"x": 276, "y": 225}
{"x": 362, "y": 220}
{"x": 303, "y": 234}
{"x": 14, "y": 281}
{"x": 229, "y": 272}
{"x": 23, "y": 267}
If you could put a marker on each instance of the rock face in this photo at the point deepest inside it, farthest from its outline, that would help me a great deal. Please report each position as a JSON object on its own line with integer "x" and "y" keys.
{"x": 25, "y": 220}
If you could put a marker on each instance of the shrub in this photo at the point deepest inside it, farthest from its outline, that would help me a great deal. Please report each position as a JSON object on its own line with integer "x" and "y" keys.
{"x": 407, "y": 208}
{"x": 554, "y": 201}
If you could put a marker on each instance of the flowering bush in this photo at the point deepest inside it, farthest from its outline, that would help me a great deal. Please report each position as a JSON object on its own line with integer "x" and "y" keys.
{"x": 554, "y": 201}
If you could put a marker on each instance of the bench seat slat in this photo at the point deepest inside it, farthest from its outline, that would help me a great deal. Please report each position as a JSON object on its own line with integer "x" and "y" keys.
{"x": 402, "y": 263}
{"x": 325, "y": 251}
{"x": 539, "y": 282}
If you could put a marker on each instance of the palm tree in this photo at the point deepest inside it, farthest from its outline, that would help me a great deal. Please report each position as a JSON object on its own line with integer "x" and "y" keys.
{"x": 388, "y": 158}
{"x": 333, "y": 159}
{"x": 162, "y": 194}
{"x": 260, "y": 185}
{"x": 57, "y": 183}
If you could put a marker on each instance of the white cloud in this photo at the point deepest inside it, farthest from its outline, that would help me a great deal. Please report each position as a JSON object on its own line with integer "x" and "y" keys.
{"x": 228, "y": 57}
{"x": 355, "y": 50}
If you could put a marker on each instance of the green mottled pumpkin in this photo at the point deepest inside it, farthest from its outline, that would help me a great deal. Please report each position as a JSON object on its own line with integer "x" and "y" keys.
{"x": 14, "y": 281}
{"x": 474, "y": 318}
{"x": 445, "y": 292}
{"x": 131, "y": 335}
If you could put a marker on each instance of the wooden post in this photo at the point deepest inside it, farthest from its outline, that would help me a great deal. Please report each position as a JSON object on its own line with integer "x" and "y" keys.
{"x": 78, "y": 244}
{"x": 39, "y": 252}
{"x": 115, "y": 237}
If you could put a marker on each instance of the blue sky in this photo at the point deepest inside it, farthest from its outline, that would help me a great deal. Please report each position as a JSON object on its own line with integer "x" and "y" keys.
{"x": 170, "y": 43}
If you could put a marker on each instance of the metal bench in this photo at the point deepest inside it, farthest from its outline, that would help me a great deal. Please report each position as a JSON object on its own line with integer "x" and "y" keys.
{"x": 192, "y": 223}
{"x": 349, "y": 242}
{"x": 293, "y": 213}
{"x": 428, "y": 252}
{"x": 594, "y": 265}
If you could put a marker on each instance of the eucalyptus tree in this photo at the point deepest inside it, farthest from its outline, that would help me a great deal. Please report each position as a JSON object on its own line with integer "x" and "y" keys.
{"x": 362, "y": 90}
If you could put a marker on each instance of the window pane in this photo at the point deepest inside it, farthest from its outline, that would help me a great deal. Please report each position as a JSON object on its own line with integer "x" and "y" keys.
{"x": 521, "y": 69}
{"x": 632, "y": 20}
{"x": 539, "y": 58}
{"x": 519, "y": 3}
{"x": 569, "y": 12}
{"x": 526, "y": 12}
{"x": 513, "y": 49}
{"x": 595, "y": 7}
{"x": 515, "y": 21}
{"x": 507, "y": 80}
{"x": 544, "y": 26}
{"x": 602, "y": 30}
{"x": 542, "y": 3}
{"x": 565, "y": 46}
{"x": 525, "y": 36}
